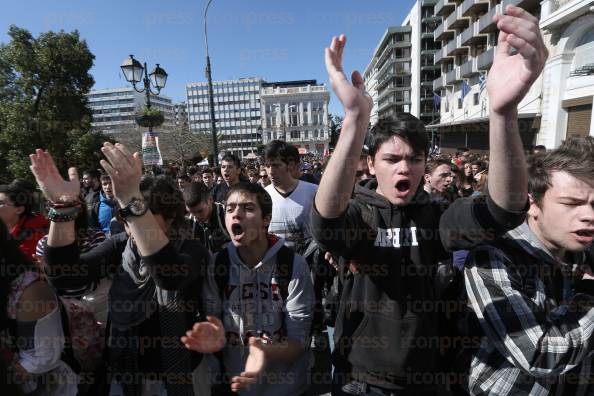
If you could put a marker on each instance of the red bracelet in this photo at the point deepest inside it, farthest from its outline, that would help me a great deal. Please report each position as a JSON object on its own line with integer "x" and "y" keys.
{"x": 64, "y": 204}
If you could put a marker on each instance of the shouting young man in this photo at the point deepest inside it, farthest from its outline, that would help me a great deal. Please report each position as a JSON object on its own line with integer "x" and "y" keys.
{"x": 388, "y": 320}
{"x": 532, "y": 292}
{"x": 263, "y": 294}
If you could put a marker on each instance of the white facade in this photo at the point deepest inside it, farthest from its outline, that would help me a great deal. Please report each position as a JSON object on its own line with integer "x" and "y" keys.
{"x": 114, "y": 110}
{"x": 469, "y": 37}
{"x": 400, "y": 75}
{"x": 237, "y": 113}
{"x": 370, "y": 79}
{"x": 296, "y": 112}
{"x": 568, "y": 77}
{"x": 180, "y": 113}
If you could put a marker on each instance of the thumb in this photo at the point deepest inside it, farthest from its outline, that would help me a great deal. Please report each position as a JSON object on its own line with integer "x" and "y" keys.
{"x": 357, "y": 80}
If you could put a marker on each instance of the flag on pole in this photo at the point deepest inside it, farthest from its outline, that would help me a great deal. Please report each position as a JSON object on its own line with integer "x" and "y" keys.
{"x": 465, "y": 89}
{"x": 436, "y": 101}
{"x": 482, "y": 82}
{"x": 151, "y": 155}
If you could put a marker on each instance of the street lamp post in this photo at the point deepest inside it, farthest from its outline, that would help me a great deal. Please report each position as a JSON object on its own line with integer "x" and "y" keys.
{"x": 213, "y": 127}
{"x": 133, "y": 72}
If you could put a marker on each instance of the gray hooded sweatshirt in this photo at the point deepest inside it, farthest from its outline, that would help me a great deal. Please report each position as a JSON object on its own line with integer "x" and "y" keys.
{"x": 259, "y": 309}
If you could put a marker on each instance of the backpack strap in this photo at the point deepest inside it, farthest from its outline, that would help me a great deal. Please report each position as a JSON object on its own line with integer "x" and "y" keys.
{"x": 284, "y": 270}
{"x": 221, "y": 271}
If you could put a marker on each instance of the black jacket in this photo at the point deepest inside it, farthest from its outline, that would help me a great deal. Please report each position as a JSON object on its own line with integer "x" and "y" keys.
{"x": 387, "y": 328}
{"x": 213, "y": 234}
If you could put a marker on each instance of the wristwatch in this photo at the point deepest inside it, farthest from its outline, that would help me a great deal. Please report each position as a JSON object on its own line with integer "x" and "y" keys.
{"x": 136, "y": 207}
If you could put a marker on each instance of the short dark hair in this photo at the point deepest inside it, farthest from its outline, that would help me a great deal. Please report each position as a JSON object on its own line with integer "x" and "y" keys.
{"x": 20, "y": 196}
{"x": 230, "y": 157}
{"x": 436, "y": 163}
{"x": 262, "y": 196}
{"x": 207, "y": 170}
{"x": 164, "y": 198}
{"x": 104, "y": 177}
{"x": 196, "y": 193}
{"x": 575, "y": 156}
{"x": 282, "y": 150}
{"x": 405, "y": 126}
{"x": 93, "y": 173}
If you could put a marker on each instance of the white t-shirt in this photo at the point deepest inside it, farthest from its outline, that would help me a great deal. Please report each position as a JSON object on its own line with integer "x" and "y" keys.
{"x": 291, "y": 215}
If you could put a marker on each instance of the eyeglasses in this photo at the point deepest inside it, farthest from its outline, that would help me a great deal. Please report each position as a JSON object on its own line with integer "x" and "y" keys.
{"x": 264, "y": 176}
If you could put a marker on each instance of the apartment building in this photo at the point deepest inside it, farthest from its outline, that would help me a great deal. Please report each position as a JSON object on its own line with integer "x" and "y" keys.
{"x": 296, "y": 112}
{"x": 114, "y": 110}
{"x": 237, "y": 113}
{"x": 469, "y": 42}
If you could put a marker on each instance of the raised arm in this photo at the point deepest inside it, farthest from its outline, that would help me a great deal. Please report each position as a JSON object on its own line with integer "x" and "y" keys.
{"x": 510, "y": 78}
{"x": 125, "y": 170}
{"x": 337, "y": 182}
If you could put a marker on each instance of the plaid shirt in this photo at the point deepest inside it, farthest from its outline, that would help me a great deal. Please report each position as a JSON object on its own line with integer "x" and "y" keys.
{"x": 538, "y": 340}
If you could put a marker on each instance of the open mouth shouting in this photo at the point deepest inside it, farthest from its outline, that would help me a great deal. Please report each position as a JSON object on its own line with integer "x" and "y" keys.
{"x": 237, "y": 231}
{"x": 403, "y": 187}
{"x": 585, "y": 235}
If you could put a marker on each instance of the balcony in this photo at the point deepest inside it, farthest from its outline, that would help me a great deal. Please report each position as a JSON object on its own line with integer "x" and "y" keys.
{"x": 427, "y": 35}
{"x": 485, "y": 60}
{"x": 471, "y": 35}
{"x": 452, "y": 76}
{"x": 444, "y": 7}
{"x": 455, "y": 47}
{"x": 456, "y": 20}
{"x": 472, "y": 7}
{"x": 428, "y": 3}
{"x": 430, "y": 18}
{"x": 439, "y": 83}
{"x": 469, "y": 68}
{"x": 441, "y": 33}
{"x": 486, "y": 23}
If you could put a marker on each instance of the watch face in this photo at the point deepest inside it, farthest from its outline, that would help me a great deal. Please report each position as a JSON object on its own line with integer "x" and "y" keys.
{"x": 137, "y": 207}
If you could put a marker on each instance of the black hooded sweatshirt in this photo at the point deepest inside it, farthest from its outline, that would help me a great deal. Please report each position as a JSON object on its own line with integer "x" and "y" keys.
{"x": 388, "y": 325}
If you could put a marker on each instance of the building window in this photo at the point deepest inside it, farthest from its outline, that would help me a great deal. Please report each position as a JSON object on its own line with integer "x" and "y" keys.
{"x": 459, "y": 103}
{"x": 475, "y": 100}
{"x": 294, "y": 134}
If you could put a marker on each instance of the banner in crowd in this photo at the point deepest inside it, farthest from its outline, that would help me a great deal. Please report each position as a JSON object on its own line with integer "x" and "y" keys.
{"x": 151, "y": 155}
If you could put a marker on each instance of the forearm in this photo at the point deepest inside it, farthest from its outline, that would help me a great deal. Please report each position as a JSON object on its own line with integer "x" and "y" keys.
{"x": 61, "y": 234}
{"x": 286, "y": 351}
{"x": 337, "y": 182}
{"x": 147, "y": 234}
{"x": 508, "y": 175}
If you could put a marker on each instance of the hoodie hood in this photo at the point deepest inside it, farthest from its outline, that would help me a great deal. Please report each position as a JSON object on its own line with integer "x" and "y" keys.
{"x": 366, "y": 192}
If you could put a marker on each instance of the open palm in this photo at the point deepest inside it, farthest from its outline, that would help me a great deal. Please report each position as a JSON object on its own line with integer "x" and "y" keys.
{"x": 353, "y": 97}
{"x": 49, "y": 179}
{"x": 205, "y": 337}
{"x": 254, "y": 365}
{"x": 511, "y": 76}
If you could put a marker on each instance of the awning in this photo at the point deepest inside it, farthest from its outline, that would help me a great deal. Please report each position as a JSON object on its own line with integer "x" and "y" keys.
{"x": 302, "y": 150}
{"x": 473, "y": 121}
{"x": 251, "y": 156}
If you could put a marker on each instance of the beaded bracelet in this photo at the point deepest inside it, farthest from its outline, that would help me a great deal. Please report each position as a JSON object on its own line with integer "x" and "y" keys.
{"x": 56, "y": 216}
{"x": 64, "y": 202}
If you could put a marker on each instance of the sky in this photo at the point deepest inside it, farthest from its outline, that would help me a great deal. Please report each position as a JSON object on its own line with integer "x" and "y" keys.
{"x": 273, "y": 39}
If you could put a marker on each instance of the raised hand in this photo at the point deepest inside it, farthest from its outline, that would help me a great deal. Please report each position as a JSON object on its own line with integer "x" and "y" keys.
{"x": 205, "y": 337}
{"x": 354, "y": 98}
{"x": 125, "y": 170}
{"x": 511, "y": 76}
{"x": 253, "y": 366}
{"x": 49, "y": 179}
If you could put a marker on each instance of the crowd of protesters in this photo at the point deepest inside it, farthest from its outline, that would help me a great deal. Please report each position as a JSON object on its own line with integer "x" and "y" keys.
{"x": 407, "y": 271}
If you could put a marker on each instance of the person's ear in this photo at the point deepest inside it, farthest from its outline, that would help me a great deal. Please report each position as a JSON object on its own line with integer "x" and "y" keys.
{"x": 267, "y": 220}
{"x": 19, "y": 210}
{"x": 370, "y": 165}
{"x": 533, "y": 209}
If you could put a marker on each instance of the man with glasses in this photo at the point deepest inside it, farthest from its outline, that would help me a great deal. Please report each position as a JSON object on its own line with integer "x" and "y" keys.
{"x": 264, "y": 180}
